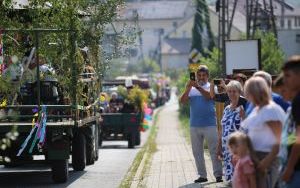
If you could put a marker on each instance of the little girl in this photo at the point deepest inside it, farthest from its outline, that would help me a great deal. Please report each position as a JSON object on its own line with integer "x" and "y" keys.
{"x": 243, "y": 159}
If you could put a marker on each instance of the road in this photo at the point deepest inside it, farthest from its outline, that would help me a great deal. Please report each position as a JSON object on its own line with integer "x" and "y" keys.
{"x": 108, "y": 172}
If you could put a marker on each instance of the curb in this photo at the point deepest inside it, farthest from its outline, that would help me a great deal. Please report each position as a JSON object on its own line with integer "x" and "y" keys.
{"x": 137, "y": 177}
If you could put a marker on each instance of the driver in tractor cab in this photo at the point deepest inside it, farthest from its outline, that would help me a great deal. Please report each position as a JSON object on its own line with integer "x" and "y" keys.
{"x": 128, "y": 106}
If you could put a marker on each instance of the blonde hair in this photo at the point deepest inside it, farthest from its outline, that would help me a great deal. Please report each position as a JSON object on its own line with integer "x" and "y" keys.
{"x": 258, "y": 89}
{"x": 235, "y": 85}
{"x": 237, "y": 138}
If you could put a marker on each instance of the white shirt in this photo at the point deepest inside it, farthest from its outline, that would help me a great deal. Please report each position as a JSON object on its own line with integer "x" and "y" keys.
{"x": 261, "y": 135}
{"x": 194, "y": 92}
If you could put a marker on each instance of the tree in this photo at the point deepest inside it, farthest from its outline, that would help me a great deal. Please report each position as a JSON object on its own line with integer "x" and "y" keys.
{"x": 272, "y": 56}
{"x": 212, "y": 62}
{"x": 202, "y": 30}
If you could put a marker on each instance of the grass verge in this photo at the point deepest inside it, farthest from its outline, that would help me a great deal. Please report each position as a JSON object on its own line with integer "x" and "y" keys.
{"x": 185, "y": 127}
{"x": 148, "y": 150}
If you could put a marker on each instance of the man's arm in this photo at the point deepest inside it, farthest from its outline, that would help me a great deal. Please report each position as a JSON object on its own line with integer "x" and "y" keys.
{"x": 205, "y": 93}
{"x": 185, "y": 96}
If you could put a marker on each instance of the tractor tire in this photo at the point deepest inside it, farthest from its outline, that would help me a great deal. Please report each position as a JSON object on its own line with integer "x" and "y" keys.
{"x": 138, "y": 138}
{"x": 100, "y": 139}
{"x": 60, "y": 170}
{"x": 96, "y": 140}
{"x": 90, "y": 144}
{"x": 131, "y": 140}
{"x": 78, "y": 151}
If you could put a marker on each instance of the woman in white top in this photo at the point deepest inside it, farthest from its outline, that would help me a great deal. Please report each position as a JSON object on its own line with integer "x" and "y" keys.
{"x": 263, "y": 126}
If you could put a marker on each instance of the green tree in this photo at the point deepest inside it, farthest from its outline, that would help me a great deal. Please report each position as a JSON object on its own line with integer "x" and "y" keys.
{"x": 201, "y": 29}
{"x": 272, "y": 56}
{"x": 212, "y": 62}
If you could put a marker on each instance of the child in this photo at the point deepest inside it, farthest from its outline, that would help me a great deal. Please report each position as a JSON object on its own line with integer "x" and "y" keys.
{"x": 243, "y": 159}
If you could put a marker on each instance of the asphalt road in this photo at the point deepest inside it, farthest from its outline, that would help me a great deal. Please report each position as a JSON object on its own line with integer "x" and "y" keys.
{"x": 108, "y": 172}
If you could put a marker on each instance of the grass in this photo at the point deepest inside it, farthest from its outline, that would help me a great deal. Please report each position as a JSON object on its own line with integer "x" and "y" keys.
{"x": 185, "y": 127}
{"x": 148, "y": 150}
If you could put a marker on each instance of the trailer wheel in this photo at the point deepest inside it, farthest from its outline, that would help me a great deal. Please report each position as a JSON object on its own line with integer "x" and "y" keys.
{"x": 78, "y": 151}
{"x": 60, "y": 170}
{"x": 100, "y": 139}
{"x": 90, "y": 144}
{"x": 131, "y": 140}
{"x": 138, "y": 138}
{"x": 96, "y": 140}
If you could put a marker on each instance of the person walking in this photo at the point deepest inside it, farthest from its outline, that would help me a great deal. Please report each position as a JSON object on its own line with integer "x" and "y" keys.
{"x": 263, "y": 126}
{"x": 202, "y": 123}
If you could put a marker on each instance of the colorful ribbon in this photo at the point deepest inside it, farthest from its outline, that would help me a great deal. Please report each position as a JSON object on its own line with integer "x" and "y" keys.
{"x": 39, "y": 129}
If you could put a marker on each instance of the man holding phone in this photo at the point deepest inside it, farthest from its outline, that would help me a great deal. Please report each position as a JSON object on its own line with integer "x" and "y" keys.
{"x": 202, "y": 122}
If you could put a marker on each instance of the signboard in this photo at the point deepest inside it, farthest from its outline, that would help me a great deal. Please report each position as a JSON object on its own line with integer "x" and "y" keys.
{"x": 242, "y": 55}
{"x": 194, "y": 56}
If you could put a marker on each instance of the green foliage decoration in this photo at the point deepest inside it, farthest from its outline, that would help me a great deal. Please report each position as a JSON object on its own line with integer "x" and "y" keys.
{"x": 138, "y": 97}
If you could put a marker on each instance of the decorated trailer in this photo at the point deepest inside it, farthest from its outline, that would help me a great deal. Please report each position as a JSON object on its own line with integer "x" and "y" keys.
{"x": 132, "y": 114}
{"x": 47, "y": 110}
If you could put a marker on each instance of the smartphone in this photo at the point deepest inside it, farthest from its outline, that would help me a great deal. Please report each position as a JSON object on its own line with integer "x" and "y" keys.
{"x": 192, "y": 76}
{"x": 217, "y": 81}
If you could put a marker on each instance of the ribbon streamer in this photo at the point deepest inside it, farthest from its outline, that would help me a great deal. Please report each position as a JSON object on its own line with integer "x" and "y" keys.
{"x": 40, "y": 132}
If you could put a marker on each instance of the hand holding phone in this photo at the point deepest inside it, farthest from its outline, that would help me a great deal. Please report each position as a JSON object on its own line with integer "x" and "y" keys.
{"x": 192, "y": 76}
{"x": 217, "y": 82}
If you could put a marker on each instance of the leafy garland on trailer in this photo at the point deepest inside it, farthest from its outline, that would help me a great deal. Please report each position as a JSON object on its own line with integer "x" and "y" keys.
{"x": 52, "y": 14}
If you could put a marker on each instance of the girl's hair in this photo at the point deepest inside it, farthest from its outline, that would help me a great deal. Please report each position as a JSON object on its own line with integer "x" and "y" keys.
{"x": 238, "y": 138}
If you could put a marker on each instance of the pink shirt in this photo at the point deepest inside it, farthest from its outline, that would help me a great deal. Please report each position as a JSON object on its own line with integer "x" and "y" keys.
{"x": 243, "y": 167}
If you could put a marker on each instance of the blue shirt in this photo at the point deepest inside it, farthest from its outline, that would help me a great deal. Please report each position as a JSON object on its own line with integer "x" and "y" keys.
{"x": 276, "y": 98}
{"x": 202, "y": 111}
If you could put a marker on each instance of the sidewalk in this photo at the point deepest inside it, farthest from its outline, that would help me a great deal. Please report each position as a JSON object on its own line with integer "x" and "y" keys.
{"x": 173, "y": 164}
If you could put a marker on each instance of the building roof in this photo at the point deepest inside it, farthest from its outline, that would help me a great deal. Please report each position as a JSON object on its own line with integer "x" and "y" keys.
{"x": 176, "y": 46}
{"x": 148, "y": 10}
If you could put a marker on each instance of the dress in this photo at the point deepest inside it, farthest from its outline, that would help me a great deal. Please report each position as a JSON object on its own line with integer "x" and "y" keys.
{"x": 243, "y": 168}
{"x": 230, "y": 123}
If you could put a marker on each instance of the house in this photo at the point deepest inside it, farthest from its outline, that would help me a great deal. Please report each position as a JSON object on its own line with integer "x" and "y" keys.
{"x": 156, "y": 19}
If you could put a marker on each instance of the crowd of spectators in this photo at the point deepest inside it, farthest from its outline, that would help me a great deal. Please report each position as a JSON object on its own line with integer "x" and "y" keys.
{"x": 259, "y": 137}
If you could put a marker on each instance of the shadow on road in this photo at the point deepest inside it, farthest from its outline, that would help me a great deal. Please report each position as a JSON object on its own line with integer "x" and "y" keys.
{"x": 116, "y": 145}
{"x": 26, "y": 177}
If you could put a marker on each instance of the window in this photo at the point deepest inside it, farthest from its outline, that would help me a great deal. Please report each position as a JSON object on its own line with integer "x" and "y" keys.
{"x": 184, "y": 34}
{"x": 282, "y": 23}
{"x": 298, "y": 38}
{"x": 289, "y": 24}
{"x": 175, "y": 25}
{"x": 296, "y": 21}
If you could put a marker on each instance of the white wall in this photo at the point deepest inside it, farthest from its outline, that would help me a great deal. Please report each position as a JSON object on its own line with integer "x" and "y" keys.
{"x": 287, "y": 40}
